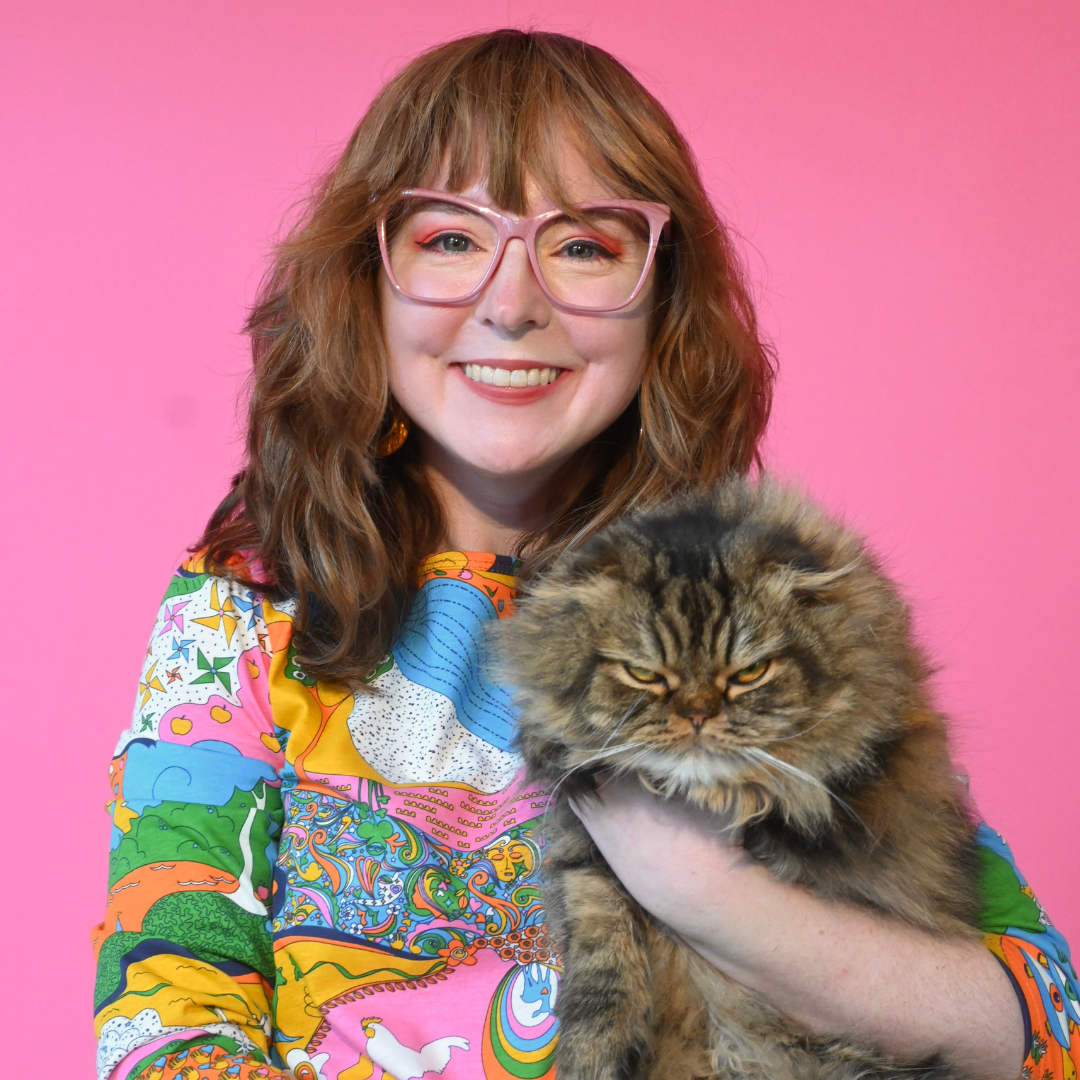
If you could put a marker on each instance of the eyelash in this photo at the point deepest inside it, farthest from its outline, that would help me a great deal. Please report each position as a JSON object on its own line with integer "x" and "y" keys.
{"x": 600, "y": 251}
{"x": 430, "y": 245}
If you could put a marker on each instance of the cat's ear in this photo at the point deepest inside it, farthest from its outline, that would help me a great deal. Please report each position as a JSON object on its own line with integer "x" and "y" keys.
{"x": 616, "y": 552}
{"x": 816, "y": 586}
{"x": 802, "y": 569}
{"x": 785, "y": 549}
{"x": 637, "y": 559}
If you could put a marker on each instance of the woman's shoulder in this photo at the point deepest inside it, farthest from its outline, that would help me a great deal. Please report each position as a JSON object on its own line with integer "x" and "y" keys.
{"x": 211, "y": 649}
{"x": 222, "y": 608}
{"x": 235, "y": 591}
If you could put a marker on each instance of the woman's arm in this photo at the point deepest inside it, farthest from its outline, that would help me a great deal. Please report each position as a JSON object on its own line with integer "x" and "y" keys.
{"x": 834, "y": 967}
{"x": 185, "y": 970}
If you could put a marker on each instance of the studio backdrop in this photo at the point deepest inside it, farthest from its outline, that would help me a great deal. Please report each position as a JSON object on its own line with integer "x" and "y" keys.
{"x": 904, "y": 176}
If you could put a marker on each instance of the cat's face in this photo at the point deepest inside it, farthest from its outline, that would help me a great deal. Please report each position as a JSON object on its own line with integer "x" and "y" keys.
{"x": 719, "y": 641}
{"x": 693, "y": 670}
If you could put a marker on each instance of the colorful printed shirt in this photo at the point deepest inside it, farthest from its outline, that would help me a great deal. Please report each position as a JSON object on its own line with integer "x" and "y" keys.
{"x": 343, "y": 884}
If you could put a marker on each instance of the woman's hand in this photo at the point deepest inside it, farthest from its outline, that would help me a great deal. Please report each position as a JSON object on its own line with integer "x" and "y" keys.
{"x": 837, "y": 968}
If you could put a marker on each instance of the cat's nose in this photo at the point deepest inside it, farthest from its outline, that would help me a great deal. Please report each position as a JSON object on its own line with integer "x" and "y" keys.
{"x": 698, "y": 720}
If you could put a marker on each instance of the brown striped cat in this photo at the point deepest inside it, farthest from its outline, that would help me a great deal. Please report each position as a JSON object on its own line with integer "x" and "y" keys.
{"x": 744, "y": 652}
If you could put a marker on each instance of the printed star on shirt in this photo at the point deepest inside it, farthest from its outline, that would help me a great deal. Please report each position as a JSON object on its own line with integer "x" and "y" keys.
{"x": 224, "y": 618}
{"x": 150, "y": 682}
{"x": 173, "y": 618}
{"x": 173, "y": 673}
{"x": 180, "y": 649}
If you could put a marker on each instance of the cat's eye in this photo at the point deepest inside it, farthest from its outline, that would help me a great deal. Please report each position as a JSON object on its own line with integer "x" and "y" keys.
{"x": 748, "y": 675}
{"x": 643, "y": 674}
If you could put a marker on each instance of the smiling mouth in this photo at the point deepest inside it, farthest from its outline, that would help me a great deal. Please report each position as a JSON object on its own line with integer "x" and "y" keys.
{"x": 518, "y": 378}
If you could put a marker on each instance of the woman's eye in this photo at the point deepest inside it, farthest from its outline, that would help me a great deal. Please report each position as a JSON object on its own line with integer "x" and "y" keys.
{"x": 585, "y": 249}
{"x": 643, "y": 674}
{"x": 448, "y": 243}
{"x": 751, "y": 674}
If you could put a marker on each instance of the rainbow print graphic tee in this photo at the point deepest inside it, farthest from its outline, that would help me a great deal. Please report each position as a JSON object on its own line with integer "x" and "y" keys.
{"x": 314, "y": 882}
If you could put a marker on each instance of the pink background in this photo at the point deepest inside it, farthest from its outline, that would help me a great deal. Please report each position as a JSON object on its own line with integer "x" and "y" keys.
{"x": 904, "y": 174}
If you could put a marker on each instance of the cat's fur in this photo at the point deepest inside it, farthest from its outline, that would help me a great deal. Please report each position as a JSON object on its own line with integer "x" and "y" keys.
{"x": 835, "y": 766}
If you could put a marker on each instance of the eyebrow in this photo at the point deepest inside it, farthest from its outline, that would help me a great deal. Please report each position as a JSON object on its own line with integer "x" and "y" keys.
{"x": 435, "y": 204}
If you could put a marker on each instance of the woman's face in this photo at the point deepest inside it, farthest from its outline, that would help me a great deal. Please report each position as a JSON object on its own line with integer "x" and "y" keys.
{"x": 513, "y": 326}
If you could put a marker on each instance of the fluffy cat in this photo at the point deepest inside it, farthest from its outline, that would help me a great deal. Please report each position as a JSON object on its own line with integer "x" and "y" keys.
{"x": 744, "y": 652}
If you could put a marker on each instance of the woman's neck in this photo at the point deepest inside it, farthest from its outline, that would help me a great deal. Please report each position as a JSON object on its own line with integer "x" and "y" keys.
{"x": 487, "y": 512}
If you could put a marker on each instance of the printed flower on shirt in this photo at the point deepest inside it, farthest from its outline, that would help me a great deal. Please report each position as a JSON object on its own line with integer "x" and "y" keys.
{"x": 460, "y": 954}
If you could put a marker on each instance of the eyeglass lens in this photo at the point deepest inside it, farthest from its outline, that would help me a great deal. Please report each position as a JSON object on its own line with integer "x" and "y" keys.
{"x": 441, "y": 251}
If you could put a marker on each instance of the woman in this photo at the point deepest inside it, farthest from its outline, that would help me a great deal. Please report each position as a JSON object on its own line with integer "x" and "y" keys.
{"x": 509, "y": 316}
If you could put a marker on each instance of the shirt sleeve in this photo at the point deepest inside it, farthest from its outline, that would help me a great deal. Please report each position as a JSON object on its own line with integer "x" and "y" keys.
{"x": 1036, "y": 957}
{"x": 185, "y": 970}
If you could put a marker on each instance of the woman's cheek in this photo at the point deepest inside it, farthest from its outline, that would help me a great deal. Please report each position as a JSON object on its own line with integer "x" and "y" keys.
{"x": 608, "y": 387}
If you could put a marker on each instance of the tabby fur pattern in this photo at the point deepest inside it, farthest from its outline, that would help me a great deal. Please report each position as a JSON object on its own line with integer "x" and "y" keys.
{"x": 745, "y": 652}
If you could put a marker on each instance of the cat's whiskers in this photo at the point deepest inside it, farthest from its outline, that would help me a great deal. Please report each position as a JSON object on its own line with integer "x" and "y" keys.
{"x": 605, "y": 749}
{"x": 602, "y": 753}
{"x": 554, "y": 790}
{"x": 805, "y": 731}
{"x": 590, "y": 760}
{"x": 644, "y": 752}
{"x": 625, "y": 716}
{"x": 768, "y": 760}
{"x": 625, "y": 767}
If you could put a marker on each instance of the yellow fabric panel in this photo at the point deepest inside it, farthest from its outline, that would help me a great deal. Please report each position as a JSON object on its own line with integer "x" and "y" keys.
{"x": 447, "y": 561}
{"x": 325, "y": 971}
{"x": 319, "y": 740}
{"x": 360, "y": 1071}
{"x": 993, "y": 943}
{"x": 271, "y": 614}
{"x": 190, "y": 993}
{"x": 334, "y": 751}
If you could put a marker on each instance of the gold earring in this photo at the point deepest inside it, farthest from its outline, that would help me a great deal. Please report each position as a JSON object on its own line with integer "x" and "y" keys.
{"x": 395, "y": 438}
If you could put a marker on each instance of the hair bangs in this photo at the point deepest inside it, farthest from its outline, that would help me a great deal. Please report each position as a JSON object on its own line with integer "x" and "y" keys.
{"x": 499, "y": 112}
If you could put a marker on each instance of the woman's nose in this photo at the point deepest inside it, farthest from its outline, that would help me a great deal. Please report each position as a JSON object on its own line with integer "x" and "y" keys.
{"x": 513, "y": 300}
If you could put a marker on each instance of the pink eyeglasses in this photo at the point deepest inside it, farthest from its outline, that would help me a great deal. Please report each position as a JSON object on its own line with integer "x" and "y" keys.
{"x": 439, "y": 248}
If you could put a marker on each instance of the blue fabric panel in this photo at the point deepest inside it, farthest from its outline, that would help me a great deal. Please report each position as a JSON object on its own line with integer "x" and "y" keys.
{"x": 441, "y": 647}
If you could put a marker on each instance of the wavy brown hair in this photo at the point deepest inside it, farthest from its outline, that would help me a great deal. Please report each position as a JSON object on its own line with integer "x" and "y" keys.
{"x": 323, "y": 518}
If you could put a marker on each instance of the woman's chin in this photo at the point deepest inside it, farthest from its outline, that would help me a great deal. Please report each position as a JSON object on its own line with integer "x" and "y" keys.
{"x": 510, "y": 459}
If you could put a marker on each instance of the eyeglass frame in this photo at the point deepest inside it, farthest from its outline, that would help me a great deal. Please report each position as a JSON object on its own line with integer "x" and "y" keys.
{"x": 513, "y": 227}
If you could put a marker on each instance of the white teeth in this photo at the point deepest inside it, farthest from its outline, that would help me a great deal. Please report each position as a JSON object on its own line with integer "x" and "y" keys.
{"x": 517, "y": 378}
